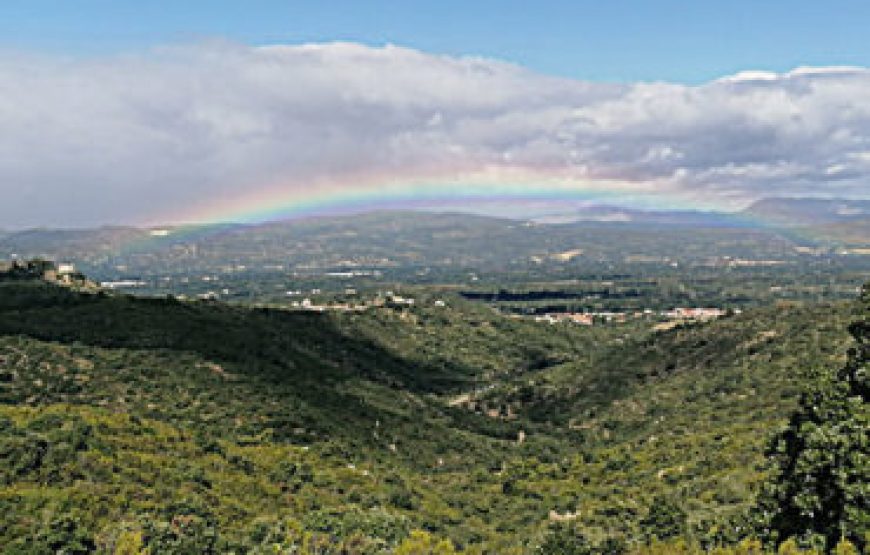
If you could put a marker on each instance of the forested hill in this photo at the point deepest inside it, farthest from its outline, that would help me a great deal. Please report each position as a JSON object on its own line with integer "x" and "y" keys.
{"x": 196, "y": 427}
{"x": 388, "y": 240}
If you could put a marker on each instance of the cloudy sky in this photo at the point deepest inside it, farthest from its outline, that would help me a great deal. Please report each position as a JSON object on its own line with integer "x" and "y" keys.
{"x": 127, "y": 133}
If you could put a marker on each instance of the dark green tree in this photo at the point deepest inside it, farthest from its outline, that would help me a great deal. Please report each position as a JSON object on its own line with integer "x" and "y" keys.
{"x": 63, "y": 534}
{"x": 819, "y": 490}
{"x": 665, "y": 519}
{"x": 568, "y": 539}
{"x": 564, "y": 539}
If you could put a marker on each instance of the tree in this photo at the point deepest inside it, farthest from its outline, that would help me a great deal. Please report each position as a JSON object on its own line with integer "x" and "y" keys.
{"x": 665, "y": 519}
{"x": 819, "y": 491}
{"x": 422, "y": 543}
{"x": 563, "y": 539}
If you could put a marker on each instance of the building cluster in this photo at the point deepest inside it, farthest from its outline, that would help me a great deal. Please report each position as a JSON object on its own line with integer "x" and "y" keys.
{"x": 590, "y": 318}
{"x": 63, "y": 274}
{"x": 693, "y": 313}
{"x": 570, "y": 317}
{"x": 388, "y": 299}
{"x": 122, "y": 284}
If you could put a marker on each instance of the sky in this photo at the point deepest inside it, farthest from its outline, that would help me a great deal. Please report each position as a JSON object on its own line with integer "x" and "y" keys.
{"x": 615, "y": 40}
{"x": 141, "y": 112}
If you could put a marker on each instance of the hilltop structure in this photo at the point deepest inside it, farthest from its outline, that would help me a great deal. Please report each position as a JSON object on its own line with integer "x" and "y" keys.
{"x": 45, "y": 270}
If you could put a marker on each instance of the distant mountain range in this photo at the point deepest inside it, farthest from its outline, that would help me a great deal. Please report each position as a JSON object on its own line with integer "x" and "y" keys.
{"x": 768, "y": 229}
{"x": 768, "y": 212}
{"x": 617, "y": 214}
{"x": 807, "y": 212}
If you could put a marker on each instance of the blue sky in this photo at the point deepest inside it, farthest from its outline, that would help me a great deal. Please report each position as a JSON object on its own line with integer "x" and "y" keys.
{"x": 612, "y": 40}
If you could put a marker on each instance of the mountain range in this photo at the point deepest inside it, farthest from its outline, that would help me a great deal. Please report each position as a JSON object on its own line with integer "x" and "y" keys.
{"x": 768, "y": 229}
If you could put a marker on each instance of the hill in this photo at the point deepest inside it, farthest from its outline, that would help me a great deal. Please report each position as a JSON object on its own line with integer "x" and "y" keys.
{"x": 199, "y": 426}
{"x": 402, "y": 244}
{"x": 853, "y": 233}
{"x": 807, "y": 212}
{"x": 270, "y": 383}
{"x": 617, "y": 214}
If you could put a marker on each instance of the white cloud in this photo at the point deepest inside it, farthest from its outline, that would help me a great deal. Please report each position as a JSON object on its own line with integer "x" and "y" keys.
{"x": 124, "y": 138}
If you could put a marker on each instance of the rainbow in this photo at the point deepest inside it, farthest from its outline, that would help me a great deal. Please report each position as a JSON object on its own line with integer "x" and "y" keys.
{"x": 460, "y": 191}
{"x": 294, "y": 199}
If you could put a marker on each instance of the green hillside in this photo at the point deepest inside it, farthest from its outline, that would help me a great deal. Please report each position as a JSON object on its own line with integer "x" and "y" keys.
{"x": 402, "y": 242}
{"x": 683, "y": 413}
{"x": 195, "y": 427}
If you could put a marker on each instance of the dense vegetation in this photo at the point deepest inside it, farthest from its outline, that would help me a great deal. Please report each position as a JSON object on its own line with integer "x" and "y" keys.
{"x": 820, "y": 490}
{"x": 131, "y": 424}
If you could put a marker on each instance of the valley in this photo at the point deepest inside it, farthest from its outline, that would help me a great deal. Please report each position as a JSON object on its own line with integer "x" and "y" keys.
{"x": 370, "y": 420}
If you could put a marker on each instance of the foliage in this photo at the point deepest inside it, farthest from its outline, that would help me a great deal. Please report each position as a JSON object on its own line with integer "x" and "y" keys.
{"x": 422, "y": 543}
{"x": 563, "y": 539}
{"x": 665, "y": 520}
{"x": 129, "y": 425}
{"x": 820, "y": 489}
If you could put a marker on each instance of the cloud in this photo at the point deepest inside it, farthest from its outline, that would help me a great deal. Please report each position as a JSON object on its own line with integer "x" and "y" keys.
{"x": 124, "y": 138}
